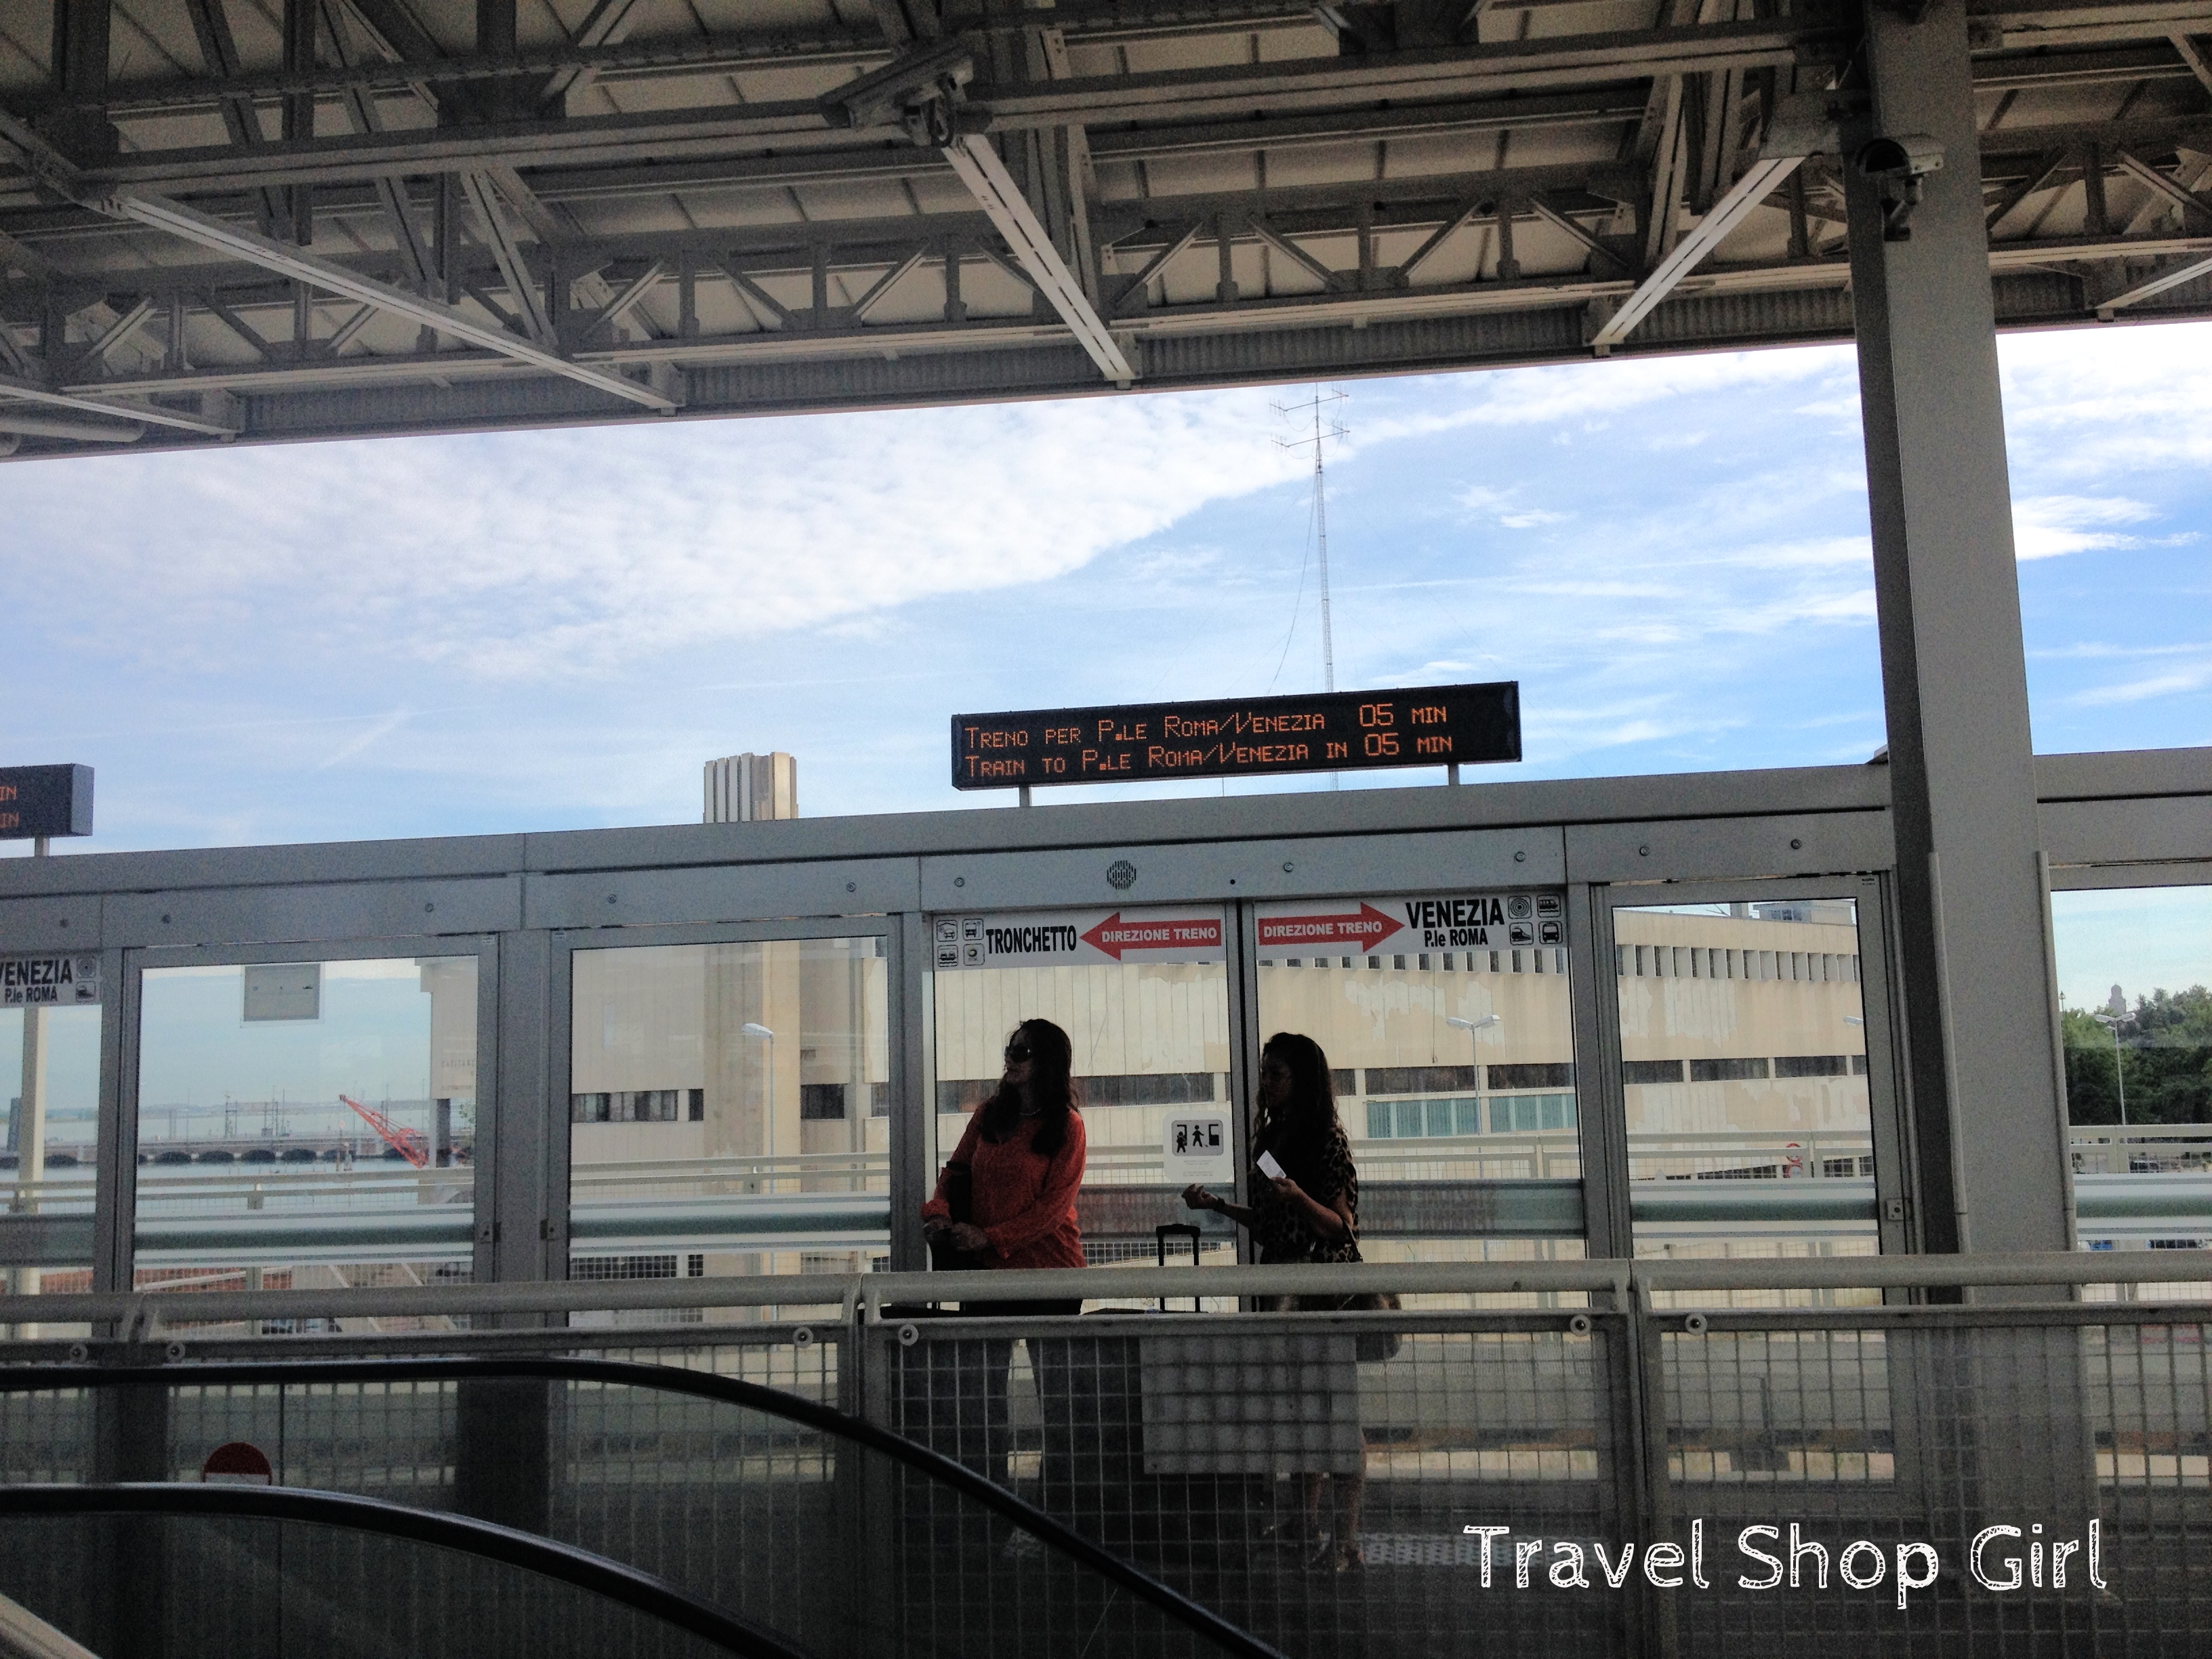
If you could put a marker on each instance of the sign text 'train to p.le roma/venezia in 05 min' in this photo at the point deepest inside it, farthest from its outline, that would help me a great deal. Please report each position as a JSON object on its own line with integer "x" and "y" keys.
{"x": 1251, "y": 737}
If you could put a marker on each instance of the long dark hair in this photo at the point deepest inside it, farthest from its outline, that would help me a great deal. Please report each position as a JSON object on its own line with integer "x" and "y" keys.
{"x": 1303, "y": 1124}
{"x": 1052, "y": 1088}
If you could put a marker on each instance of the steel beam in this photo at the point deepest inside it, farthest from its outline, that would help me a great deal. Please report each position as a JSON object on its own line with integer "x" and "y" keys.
{"x": 271, "y": 255}
{"x": 2172, "y": 189}
{"x": 116, "y": 407}
{"x": 20, "y": 423}
{"x": 2173, "y": 276}
{"x": 2193, "y": 55}
{"x": 1550, "y": 64}
{"x": 994, "y": 187}
{"x": 1988, "y": 1107}
{"x": 499, "y": 236}
{"x": 1747, "y": 193}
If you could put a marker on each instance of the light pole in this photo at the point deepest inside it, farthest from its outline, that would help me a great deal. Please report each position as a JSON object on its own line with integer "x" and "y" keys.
{"x": 1471, "y": 1026}
{"x": 767, "y": 1091}
{"x": 2114, "y": 1011}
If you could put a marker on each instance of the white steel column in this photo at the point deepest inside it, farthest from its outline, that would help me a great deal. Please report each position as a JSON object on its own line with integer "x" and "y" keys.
{"x": 1988, "y": 1105}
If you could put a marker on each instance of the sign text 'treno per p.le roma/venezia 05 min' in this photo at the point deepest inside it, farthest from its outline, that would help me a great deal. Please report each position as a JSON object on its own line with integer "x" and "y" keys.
{"x": 1251, "y": 737}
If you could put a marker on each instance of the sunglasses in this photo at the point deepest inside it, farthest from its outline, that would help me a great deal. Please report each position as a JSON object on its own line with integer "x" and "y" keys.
{"x": 1017, "y": 1053}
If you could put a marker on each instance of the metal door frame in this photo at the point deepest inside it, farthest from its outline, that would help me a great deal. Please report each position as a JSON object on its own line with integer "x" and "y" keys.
{"x": 551, "y": 1138}
{"x": 114, "y": 1266}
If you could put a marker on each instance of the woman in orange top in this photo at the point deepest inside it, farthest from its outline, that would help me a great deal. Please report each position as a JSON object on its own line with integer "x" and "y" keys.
{"x": 1020, "y": 1162}
{"x": 1022, "y": 1158}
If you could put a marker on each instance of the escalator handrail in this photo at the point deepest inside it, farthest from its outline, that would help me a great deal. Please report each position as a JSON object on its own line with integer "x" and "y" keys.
{"x": 564, "y": 1563}
{"x": 705, "y": 1385}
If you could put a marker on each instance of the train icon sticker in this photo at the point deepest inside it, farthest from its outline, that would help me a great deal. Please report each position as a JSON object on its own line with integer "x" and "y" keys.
{"x": 1520, "y": 933}
{"x": 1548, "y": 933}
{"x": 1550, "y": 904}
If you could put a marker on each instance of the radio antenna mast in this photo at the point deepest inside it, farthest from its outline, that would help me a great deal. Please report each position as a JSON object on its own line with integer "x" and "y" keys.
{"x": 1319, "y": 401}
{"x": 1316, "y": 405}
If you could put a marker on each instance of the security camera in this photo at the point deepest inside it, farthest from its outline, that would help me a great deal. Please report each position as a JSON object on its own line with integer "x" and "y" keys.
{"x": 1910, "y": 156}
{"x": 917, "y": 92}
{"x": 1899, "y": 164}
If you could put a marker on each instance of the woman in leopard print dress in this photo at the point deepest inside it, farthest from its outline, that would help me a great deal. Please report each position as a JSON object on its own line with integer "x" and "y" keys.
{"x": 1310, "y": 1213}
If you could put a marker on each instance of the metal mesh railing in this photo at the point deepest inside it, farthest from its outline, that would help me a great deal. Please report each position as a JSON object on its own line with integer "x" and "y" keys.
{"x": 1642, "y": 1472}
{"x": 1280, "y": 1468}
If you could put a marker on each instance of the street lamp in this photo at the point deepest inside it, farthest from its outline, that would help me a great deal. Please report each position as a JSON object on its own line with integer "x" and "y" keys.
{"x": 2114, "y": 1011}
{"x": 1471, "y": 1026}
{"x": 767, "y": 1091}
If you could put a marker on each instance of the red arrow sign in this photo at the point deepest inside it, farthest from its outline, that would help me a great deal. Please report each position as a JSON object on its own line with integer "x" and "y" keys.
{"x": 1114, "y": 935}
{"x": 1364, "y": 929}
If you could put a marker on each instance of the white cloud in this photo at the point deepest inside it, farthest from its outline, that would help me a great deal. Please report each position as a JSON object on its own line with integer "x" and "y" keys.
{"x": 538, "y": 554}
{"x": 1500, "y": 507}
{"x": 2048, "y": 527}
{"x": 2174, "y": 683}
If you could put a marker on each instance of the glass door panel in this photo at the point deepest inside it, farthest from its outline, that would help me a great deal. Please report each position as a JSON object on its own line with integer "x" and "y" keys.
{"x": 1142, "y": 995}
{"x": 1743, "y": 1057}
{"x": 729, "y": 1108}
{"x": 49, "y": 1079}
{"x": 2134, "y": 969}
{"x": 1450, "y": 1031}
{"x": 307, "y": 1125}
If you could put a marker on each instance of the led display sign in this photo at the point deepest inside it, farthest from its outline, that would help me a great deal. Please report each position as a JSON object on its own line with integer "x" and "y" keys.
{"x": 45, "y": 801}
{"x": 1250, "y": 736}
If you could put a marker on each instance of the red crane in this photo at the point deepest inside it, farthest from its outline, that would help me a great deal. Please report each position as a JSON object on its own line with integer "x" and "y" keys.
{"x": 410, "y": 1144}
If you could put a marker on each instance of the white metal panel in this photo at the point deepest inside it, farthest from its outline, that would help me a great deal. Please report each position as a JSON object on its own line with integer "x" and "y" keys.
{"x": 351, "y": 910}
{"x": 742, "y": 892}
{"x": 1110, "y": 875}
{"x": 67, "y": 922}
{"x": 2127, "y": 831}
{"x": 1731, "y": 848}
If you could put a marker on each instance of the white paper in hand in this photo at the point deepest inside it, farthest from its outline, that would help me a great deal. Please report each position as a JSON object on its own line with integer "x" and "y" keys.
{"x": 1269, "y": 1168}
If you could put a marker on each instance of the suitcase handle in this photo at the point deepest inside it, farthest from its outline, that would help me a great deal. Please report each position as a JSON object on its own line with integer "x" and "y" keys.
{"x": 1167, "y": 1230}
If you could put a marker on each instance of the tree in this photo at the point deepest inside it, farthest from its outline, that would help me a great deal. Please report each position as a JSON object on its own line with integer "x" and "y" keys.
{"x": 2165, "y": 1056}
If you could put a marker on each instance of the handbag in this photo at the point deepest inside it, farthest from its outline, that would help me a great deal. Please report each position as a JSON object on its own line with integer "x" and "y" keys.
{"x": 1370, "y": 1347}
{"x": 958, "y": 1182}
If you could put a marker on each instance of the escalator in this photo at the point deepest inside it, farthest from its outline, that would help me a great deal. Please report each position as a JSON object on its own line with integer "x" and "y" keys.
{"x": 536, "y": 1506}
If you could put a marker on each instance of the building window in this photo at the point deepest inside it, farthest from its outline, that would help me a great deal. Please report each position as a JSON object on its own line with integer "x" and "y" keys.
{"x": 1531, "y": 1114}
{"x": 1651, "y": 1070}
{"x": 1727, "y": 1071}
{"x": 880, "y": 1100}
{"x": 821, "y": 1102}
{"x": 630, "y": 1106}
{"x": 1533, "y": 1076}
{"x": 696, "y": 1105}
{"x": 1420, "y": 1079}
{"x": 1408, "y": 1120}
{"x": 1812, "y": 1065}
{"x": 1858, "y": 1066}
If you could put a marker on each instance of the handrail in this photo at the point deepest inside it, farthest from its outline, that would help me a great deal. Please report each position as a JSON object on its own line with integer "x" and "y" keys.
{"x": 27, "y": 1636}
{"x": 669, "y": 1379}
{"x": 655, "y": 1597}
{"x": 142, "y": 1311}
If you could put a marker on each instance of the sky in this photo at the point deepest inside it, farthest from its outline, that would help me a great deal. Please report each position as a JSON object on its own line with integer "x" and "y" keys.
{"x": 542, "y": 630}
{"x": 552, "y": 630}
